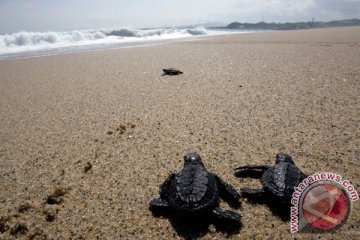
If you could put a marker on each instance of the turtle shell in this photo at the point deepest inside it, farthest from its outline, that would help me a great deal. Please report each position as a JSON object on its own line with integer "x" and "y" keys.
{"x": 172, "y": 71}
{"x": 281, "y": 179}
{"x": 193, "y": 190}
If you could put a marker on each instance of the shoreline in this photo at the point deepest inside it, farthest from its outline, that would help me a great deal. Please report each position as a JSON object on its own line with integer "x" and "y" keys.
{"x": 108, "y": 46}
{"x": 117, "y": 46}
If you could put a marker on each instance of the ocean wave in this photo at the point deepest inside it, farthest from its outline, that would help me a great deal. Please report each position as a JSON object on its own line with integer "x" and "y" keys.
{"x": 21, "y": 39}
{"x": 32, "y": 44}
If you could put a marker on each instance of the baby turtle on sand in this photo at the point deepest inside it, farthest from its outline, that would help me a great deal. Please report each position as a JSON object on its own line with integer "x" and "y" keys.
{"x": 194, "y": 192}
{"x": 171, "y": 71}
{"x": 278, "y": 181}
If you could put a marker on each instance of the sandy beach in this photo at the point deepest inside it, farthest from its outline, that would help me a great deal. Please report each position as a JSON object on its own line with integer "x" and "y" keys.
{"x": 87, "y": 138}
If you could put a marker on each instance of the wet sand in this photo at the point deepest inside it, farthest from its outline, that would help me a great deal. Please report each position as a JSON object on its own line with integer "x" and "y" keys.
{"x": 86, "y": 139}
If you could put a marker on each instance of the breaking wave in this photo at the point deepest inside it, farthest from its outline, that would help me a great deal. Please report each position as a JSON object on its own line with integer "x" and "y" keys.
{"x": 23, "y": 44}
{"x": 78, "y": 36}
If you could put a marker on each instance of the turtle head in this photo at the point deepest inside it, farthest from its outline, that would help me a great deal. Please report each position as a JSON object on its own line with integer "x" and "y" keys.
{"x": 283, "y": 157}
{"x": 192, "y": 158}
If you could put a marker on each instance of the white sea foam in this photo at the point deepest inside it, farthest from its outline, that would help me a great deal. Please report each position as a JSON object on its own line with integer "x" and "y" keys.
{"x": 37, "y": 43}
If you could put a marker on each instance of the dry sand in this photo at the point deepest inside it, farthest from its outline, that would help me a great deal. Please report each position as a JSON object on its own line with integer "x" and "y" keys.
{"x": 86, "y": 139}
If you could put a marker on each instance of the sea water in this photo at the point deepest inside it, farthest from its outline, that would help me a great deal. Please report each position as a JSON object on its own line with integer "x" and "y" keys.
{"x": 31, "y": 44}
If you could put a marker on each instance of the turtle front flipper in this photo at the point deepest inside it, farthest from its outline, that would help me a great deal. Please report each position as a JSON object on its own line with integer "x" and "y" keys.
{"x": 226, "y": 215}
{"x": 227, "y": 191}
{"x": 249, "y": 192}
{"x": 159, "y": 203}
{"x": 252, "y": 171}
{"x": 262, "y": 167}
{"x": 164, "y": 188}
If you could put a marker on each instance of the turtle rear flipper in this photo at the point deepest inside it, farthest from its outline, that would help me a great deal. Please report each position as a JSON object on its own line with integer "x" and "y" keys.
{"x": 226, "y": 215}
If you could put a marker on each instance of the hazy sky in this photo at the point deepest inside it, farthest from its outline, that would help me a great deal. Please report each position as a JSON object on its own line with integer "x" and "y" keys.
{"x": 43, "y": 15}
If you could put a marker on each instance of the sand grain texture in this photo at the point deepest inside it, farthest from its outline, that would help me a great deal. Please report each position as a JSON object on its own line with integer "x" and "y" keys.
{"x": 86, "y": 139}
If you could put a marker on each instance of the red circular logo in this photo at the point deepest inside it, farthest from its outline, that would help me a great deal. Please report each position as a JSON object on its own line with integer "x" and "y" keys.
{"x": 325, "y": 206}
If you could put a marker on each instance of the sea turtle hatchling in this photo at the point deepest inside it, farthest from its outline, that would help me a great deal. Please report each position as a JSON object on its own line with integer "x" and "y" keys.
{"x": 171, "y": 71}
{"x": 194, "y": 192}
{"x": 278, "y": 181}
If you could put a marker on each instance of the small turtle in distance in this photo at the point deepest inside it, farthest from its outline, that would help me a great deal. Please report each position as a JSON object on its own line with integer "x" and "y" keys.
{"x": 171, "y": 71}
{"x": 194, "y": 192}
{"x": 278, "y": 181}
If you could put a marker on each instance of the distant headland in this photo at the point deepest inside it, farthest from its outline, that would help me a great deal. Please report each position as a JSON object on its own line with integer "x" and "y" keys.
{"x": 291, "y": 25}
